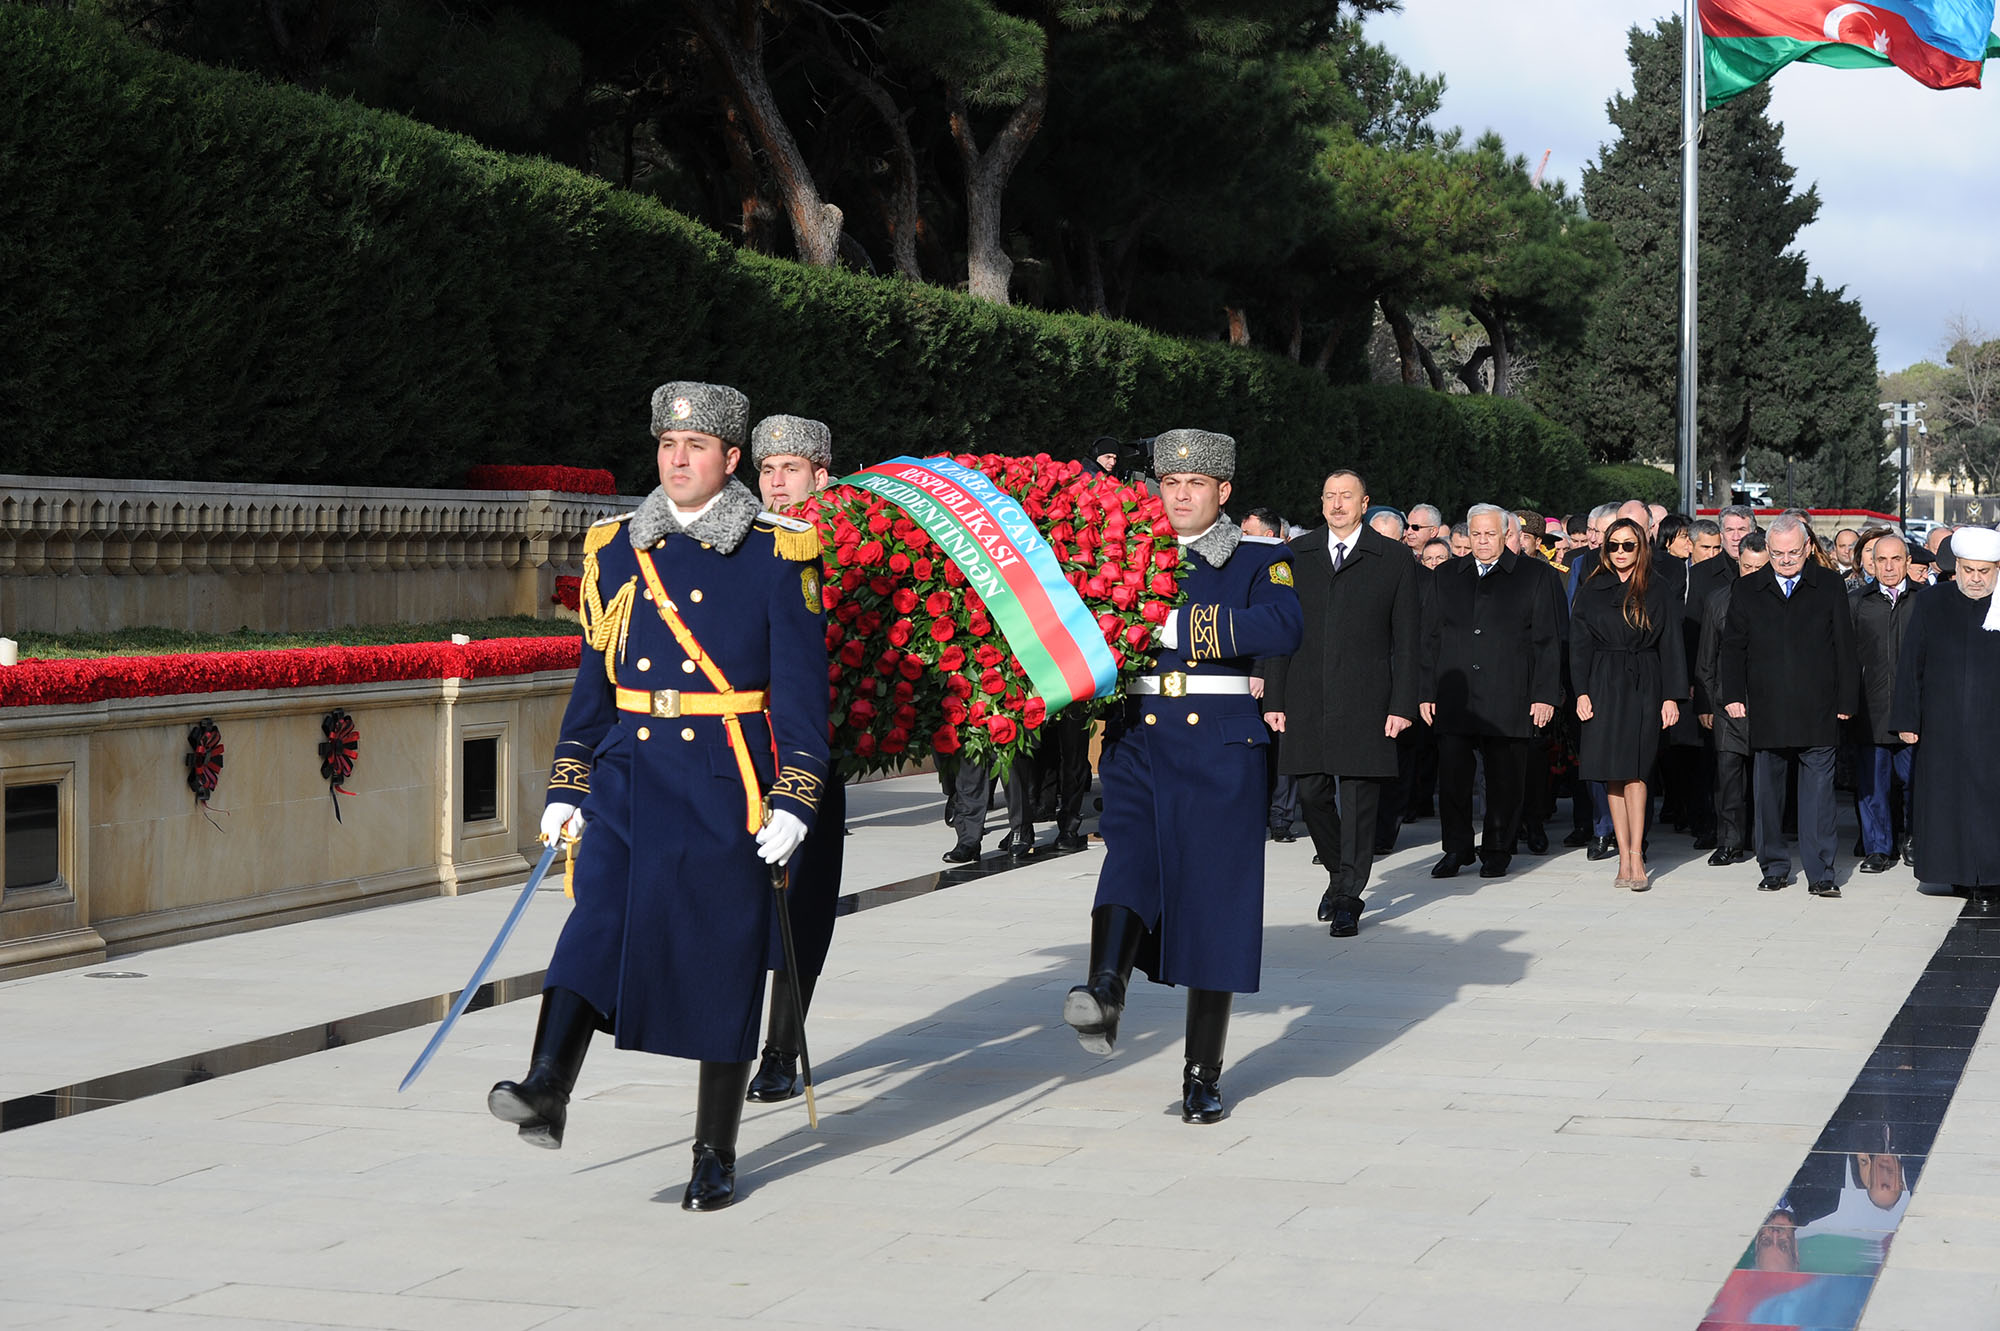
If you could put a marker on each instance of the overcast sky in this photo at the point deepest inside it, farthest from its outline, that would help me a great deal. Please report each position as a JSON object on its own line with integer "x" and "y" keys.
{"x": 1909, "y": 178}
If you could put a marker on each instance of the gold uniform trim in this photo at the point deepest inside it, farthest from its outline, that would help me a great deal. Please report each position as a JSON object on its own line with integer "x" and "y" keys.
{"x": 798, "y": 784}
{"x": 1204, "y": 642}
{"x": 570, "y": 774}
{"x": 794, "y": 544}
{"x": 670, "y": 703}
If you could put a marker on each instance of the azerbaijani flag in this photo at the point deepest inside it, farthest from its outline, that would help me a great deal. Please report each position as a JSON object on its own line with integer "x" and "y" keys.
{"x": 1939, "y": 43}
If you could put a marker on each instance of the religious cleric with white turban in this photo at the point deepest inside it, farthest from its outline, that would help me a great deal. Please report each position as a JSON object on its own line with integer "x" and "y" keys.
{"x": 1948, "y": 705}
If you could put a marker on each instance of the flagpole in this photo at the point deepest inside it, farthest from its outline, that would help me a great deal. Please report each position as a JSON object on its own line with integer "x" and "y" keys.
{"x": 1690, "y": 250}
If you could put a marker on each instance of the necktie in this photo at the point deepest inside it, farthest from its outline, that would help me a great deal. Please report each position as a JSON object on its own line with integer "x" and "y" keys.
{"x": 1894, "y": 594}
{"x": 1789, "y": 584}
{"x": 1484, "y": 569}
{"x": 1339, "y": 555}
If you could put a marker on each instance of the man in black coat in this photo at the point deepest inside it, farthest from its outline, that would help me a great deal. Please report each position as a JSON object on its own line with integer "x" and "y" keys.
{"x": 1881, "y": 609}
{"x": 1729, "y": 738}
{"x": 1491, "y": 676}
{"x": 1788, "y": 666}
{"x": 1342, "y": 699}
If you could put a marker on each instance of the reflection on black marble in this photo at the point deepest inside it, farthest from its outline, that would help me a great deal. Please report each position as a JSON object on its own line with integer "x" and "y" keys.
{"x": 138, "y": 1083}
{"x": 924, "y": 884}
{"x": 1813, "y": 1260}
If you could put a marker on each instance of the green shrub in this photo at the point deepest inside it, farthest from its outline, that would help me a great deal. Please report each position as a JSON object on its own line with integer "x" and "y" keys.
{"x": 211, "y": 278}
{"x": 1620, "y": 481}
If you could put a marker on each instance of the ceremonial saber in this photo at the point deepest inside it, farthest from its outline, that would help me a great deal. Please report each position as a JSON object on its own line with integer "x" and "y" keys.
{"x": 466, "y": 994}
{"x": 780, "y": 878}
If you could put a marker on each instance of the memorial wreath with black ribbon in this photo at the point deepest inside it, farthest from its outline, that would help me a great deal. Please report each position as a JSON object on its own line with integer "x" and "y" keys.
{"x": 338, "y": 753}
{"x": 204, "y": 761}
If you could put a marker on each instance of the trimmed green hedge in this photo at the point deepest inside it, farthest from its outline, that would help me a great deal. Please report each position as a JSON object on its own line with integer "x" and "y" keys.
{"x": 208, "y": 277}
{"x": 1616, "y": 482}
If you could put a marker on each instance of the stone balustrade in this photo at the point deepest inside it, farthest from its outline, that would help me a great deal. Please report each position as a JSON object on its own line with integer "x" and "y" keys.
{"x": 79, "y": 555}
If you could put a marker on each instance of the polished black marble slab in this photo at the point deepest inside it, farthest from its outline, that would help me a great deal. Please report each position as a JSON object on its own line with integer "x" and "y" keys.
{"x": 942, "y": 879}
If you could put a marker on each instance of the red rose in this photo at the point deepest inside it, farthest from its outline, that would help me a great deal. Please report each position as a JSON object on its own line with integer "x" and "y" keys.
{"x": 979, "y": 626}
{"x": 990, "y": 682}
{"x": 952, "y": 577}
{"x": 1094, "y": 587}
{"x": 1163, "y": 584}
{"x": 899, "y": 563}
{"x": 905, "y": 716}
{"x": 886, "y": 663}
{"x": 1168, "y": 559}
{"x": 881, "y": 584}
{"x": 942, "y": 629}
{"x": 1123, "y": 597}
{"x": 896, "y": 740}
{"x": 920, "y": 541}
{"x": 1114, "y": 550}
{"x": 829, "y": 594}
{"x": 853, "y": 653}
{"x": 905, "y": 601}
{"x": 847, "y": 612}
{"x": 958, "y": 686}
{"x": 834, "y": 671}
{"x": 951, "y": 658}
{"x": 988, "y": 655}
{"x": 860, "y": 713}
{"x": 1002, "y": 729}
{"x": 955, "y": 711}
{"x": 850, "y": 578}
{"x": 911, "y": 668}
{"x": 1034, "y": 712}
{"x": 922, "y": 569}
{"x": 878, "y": 523}
{"x": 1139, "y": 635}
{"x": 973, "y": 604}
{"x": 901, "y": 632}
{"x": 864, "y": 746}
{"x": 835, "y": 634}
{"x": 1132, "y": 578}
{"x": 868, "y": 621}
{"x": 1155, "y": 612}
{"x": 937, "y": 603}
{"x": 1108, "y": 622}
{"x": 868, "y": 552}
{"x": 905, "y": 690}
{"x": 945, "y": 739}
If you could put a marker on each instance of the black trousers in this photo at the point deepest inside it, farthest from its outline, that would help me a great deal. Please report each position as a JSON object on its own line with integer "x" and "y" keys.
{"x": 973, "y": 786}
{"x": 1398, "y": 793}
{"x": 1816, "y": 812}
{"x": 1506, "y": 775}
{"x": 1732, "y": 800}
{"x": 1340, "y": 818}
{"x": 1065, "y": 751}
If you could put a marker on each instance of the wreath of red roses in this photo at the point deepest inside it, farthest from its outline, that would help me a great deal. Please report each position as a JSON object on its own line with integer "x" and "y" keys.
{"x": 916, "y": 665}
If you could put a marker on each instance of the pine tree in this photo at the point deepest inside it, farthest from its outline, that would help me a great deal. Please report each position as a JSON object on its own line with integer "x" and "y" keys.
{"x": 1787, "y": 364}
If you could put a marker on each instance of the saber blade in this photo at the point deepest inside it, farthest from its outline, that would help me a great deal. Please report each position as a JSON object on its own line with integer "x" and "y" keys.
{"x": 780, "y": 879}
{"x": 479, "y": 972}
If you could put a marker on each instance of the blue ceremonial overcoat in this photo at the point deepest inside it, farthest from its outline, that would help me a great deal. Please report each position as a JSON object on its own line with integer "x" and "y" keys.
{"x": 673, "y": 911}
{"x": 1186, "y": 795}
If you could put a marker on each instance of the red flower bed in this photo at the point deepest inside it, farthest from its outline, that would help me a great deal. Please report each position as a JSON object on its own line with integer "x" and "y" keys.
{"x": 563, "y": 480}
{"x": 47, "y": 683}
{"x": 915, "y": 662}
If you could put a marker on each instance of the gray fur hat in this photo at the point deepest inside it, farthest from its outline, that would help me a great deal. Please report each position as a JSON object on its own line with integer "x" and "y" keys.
{"x": 1200, "y": 452}
{"x": 793, "y": 436}
{"x": 713, "y": 409}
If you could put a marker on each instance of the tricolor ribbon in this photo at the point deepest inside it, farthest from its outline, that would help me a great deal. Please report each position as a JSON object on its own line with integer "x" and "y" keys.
{"x": 990, "y": 537}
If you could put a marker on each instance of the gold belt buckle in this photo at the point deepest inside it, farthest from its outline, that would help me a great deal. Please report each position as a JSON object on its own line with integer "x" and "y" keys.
{"x": 667, "y": 703}
{"x": 1173, "y": 684}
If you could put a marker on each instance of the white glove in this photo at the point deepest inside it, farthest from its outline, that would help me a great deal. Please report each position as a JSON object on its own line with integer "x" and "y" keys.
{"x": 558, "y": 816}
{"x": 1170, "y": 632}
{"x": 779, "y": 837}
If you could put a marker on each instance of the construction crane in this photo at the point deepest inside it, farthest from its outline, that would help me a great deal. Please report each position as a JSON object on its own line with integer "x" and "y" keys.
{"x": 1537, "y": 181}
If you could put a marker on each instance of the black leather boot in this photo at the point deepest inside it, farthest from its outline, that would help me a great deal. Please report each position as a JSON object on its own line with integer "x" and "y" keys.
{"x": 539, "y": 1102}
{"x": 1207, "y": 1031}
{"x": 718, "y": 1113}
{"x": 778, "y": 1071}
{"x": 1093, "y": 1009}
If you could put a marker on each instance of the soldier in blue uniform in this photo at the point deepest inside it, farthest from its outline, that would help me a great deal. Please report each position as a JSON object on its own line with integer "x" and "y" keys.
{"x": 694, "y": 752}
{"x": 793, "y": 456}
{"x": 1185, "y": 788}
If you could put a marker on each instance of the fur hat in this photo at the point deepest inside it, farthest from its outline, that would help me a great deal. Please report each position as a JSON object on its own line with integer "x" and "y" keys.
{"x": 1200, "y": 452}
{"x": 794, "y": 436}
{"x": 710, "y": 408}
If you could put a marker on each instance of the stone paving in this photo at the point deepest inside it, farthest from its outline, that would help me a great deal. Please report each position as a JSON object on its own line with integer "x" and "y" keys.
{"x": 1537, "y": 1102}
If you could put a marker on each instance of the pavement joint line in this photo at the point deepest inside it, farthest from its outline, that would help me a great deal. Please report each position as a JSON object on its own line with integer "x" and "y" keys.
{"x": 117, "y": 1088}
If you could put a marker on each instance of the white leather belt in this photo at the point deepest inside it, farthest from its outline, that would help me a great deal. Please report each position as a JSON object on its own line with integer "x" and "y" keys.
{"x": 1179, "y": 684}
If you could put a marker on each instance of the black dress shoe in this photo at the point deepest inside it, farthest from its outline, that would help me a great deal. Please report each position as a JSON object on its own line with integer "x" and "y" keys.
{"x": 1449, "y": 865}
{"x": 1283, "y": 835}
{"x": 1907, "y": 852}
{"x": 1877, "y": 863}
{"x": 961, "y": 854}
{"x": 1385, "y": 848}
{"x": 1824, "y": 888}
{"x": 1346, "y": 924}
{"x": 777, "y": 1078}
{"x": 1602, "y": 848}
{"x": 1773, "y": 883}
{"x": 1723, "y": 857}
{"x": 1071, "y": 841}
{"x": 1494, "y": 868}
{"x": 1578, "y": 839}
{"x": 1326, "y": 906}
{"x": 1201, "y": 1094}
{"x": 1018, "y": 844}
{"x": 1706, "y": 841}
{"x": 1981, "y": 901}
{"x": 1318, "y": 860}
{"x": 713, "y": 1183}
{"x": 1538, "y": 841}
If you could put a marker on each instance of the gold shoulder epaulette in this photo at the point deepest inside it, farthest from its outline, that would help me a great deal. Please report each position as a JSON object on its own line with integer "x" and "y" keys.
{"x": 795, "y": 539}
{"x": 600, "y": 533}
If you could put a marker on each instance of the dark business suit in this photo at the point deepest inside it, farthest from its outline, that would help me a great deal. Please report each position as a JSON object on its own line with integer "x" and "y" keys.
{"x": 1492, "y": 649}
{"x": 1790, "y": 660}
{"x": 1355, "y": 667}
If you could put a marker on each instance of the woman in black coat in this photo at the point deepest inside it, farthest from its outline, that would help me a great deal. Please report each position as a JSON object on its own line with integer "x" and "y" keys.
{"x": 1630, "y": 673}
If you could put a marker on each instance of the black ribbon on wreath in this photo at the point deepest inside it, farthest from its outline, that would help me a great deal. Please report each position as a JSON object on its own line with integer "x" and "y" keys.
{"x": 338, "y": 753}
{"x": 204, "y": 764}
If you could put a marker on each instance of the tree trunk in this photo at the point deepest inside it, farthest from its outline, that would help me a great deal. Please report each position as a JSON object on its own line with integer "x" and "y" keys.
{"x": 902, "y": 210}
{"x": 988, "y": 269}
{"x": 1406, "y": 339}
{"x": 1094, "y": 276}
{"x": 1298, "y": 342}
{"x": 1239, "y": 326}
{"x": 1496, "y": 336}
{"x": 1468, "y": 373}
{"x": 736, "y": 42}
{"x": 753, "y": 211}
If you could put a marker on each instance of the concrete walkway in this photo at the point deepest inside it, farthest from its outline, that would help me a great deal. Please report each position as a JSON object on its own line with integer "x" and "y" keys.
{"x": 1536, "y": 1103}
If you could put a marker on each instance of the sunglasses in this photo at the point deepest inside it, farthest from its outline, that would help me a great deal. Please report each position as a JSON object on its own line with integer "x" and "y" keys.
{"x": 1621, "y": 545}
